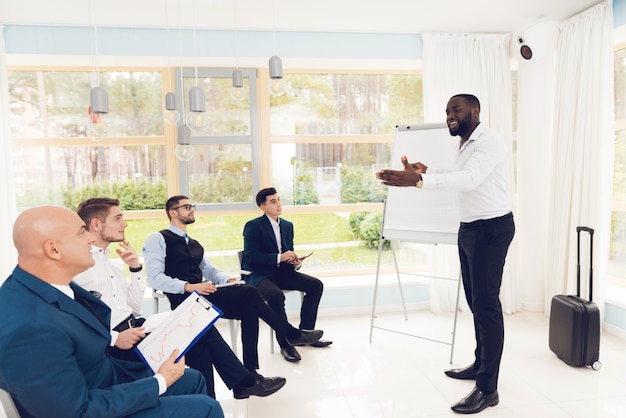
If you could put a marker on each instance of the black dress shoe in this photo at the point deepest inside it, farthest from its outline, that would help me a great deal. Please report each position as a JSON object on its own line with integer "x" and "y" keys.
{"x": 321, "y": 343}
{"x": 466, "y": 373}
{"x": 263, "y": 386}
{"x": 475, "y": 402}
{"x": 290, "y": 354}
{"x": 307, "y": 337}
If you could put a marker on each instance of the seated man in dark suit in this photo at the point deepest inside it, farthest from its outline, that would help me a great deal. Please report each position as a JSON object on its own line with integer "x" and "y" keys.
{"x": 269, "y": 255}
{"x": 54, "y": 336}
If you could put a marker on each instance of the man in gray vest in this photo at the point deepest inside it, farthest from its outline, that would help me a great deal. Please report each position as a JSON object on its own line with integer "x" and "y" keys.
{"x": 177, "y": 265}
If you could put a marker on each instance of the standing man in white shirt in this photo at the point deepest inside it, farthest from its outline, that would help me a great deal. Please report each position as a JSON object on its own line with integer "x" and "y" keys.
{"x": 486, "y": 231}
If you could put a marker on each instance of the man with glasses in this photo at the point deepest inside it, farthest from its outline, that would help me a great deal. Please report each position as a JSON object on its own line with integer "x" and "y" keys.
{"x": 107, "y": 281}
{"x": 176, "y": 264}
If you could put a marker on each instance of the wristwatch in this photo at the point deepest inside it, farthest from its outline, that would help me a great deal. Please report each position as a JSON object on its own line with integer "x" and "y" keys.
{"x": 419, "y": 183}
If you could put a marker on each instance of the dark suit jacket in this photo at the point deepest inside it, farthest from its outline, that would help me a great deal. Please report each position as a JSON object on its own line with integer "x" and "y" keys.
{"x": 53, "y": 355}
{"x": 260, "y": 250}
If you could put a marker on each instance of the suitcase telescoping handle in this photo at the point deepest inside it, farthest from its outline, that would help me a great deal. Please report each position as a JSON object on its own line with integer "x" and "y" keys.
{"x": 591, "y": 231}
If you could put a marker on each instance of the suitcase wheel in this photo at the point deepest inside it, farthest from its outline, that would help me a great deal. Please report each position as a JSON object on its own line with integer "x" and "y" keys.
{"x": 596, "y": 365}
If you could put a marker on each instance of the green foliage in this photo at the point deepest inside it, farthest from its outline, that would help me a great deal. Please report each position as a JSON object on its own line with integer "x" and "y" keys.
{"x": 407, "y": 105}
{"x": 304, "y": 191}
{"x": 133, "y": 194}
{"x": 227, "y": 184}
{"x": 355, "y": 222}
{"x": 366, "y": 226}
{"x": 359, "y": 186}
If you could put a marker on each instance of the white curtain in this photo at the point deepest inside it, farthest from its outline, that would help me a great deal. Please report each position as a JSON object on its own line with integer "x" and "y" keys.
{"x": 476, "y": 64}
{"x": 582, "y": 170}
{"x": 7, "y": 189}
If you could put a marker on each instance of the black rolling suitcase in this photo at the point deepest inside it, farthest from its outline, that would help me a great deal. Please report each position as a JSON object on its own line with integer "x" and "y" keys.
{"x": 575, "y": 322}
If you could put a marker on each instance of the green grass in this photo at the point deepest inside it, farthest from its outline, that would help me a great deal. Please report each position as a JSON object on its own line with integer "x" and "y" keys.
{"x": 219, "y": 233}
{"x": 317, "y": 232}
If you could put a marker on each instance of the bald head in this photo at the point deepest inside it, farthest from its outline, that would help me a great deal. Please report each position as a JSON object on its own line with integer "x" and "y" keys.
{"x": 52, "y": 243}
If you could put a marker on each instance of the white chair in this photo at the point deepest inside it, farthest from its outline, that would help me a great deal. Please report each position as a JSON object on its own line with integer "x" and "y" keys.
{"x": 8, "y": 405}
{"x": 232, "y": 327}
{"x": 156, "y": 296}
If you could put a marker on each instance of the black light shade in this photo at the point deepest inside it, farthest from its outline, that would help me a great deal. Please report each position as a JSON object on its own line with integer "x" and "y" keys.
{"x": 276, "y": 67}
{"x": 184, "y": 135}
{"x": 237, "y": 78}
{"x": 197, "y": 101}
{"x": 99, "y": 100}
{"x": 170, "y": 101}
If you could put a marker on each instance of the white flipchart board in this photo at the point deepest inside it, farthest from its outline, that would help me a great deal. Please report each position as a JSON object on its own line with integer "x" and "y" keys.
{"x": 424, "y": 216}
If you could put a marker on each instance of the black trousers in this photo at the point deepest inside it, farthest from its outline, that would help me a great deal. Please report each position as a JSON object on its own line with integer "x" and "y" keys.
{"x": 483, "y": 246}
{"x": 212, "y": 351}
{"x": 246, "y": 304}
{"x": 287, "y": 278}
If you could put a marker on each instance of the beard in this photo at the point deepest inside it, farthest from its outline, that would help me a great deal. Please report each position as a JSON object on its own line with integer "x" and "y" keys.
{"x": 111, "y": 238}
{"x": 188, "y": 221}
{"x": 462, "y": 126}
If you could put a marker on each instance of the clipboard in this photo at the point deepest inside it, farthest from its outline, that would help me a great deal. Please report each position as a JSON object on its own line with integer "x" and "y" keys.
{"x": 228, "y": 284}
{"x": 182, "y": 328}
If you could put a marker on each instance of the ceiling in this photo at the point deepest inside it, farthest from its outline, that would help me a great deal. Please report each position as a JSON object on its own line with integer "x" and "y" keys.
{"x": 388, "y": 16}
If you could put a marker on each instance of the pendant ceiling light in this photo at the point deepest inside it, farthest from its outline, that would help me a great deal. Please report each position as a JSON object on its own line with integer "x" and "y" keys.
{"x": 184, "y": 150}
{"x": 237, "y": 91}
{"x": 197, "y": 118}
{"x": 97, "y": 125}
{"x": 277, "y": 86}
{"x": 170, "y": 114}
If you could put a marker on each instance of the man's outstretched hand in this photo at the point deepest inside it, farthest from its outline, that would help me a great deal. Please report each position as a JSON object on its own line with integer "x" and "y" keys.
{"x": 402, "y": 178}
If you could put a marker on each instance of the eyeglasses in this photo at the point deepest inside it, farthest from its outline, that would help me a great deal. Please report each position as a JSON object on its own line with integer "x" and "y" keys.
{"x": 187, "y": 207}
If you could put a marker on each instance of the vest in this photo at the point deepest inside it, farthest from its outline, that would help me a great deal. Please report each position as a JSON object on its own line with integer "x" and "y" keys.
{"x": 182, "y": 260}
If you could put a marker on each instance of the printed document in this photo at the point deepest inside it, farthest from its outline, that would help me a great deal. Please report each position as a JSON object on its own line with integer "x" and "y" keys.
{"x": 181, "y": 329}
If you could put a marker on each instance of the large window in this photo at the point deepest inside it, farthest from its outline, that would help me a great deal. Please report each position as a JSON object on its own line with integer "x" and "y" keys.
{"x": 54, "y": 160}
{"x": 331, "y": 133}
{"x": 320, "y": 144}
{"x": 221, "y": 175}
{"x": 346, "y": 104}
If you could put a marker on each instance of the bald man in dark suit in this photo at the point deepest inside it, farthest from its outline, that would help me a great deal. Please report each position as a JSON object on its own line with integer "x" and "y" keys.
{"x": 54, "y": 336}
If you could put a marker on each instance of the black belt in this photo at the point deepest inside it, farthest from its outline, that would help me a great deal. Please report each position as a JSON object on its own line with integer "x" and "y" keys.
{"x": 130, "y": 322}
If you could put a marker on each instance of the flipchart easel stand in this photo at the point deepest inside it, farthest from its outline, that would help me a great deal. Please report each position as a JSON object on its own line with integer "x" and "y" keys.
{"x": 433, "y": 241}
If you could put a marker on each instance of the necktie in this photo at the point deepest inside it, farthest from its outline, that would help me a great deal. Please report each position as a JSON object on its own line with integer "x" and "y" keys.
{"x": 81, "y": 299}
{"x": 186, "y": 237}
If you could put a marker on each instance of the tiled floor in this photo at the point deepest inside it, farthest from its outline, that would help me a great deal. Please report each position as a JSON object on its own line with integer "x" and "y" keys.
{"x": 400, "y": 376}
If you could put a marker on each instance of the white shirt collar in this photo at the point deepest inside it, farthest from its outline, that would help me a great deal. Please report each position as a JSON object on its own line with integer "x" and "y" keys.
{"x": 64, "y": 288}
{"x": 273, "y": 222}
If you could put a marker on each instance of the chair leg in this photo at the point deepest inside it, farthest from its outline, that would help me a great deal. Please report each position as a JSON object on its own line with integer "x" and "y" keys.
{"x": 271, "y": 340}
{"x": 233, "y": 334}
{"x": 7, "y": 404}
